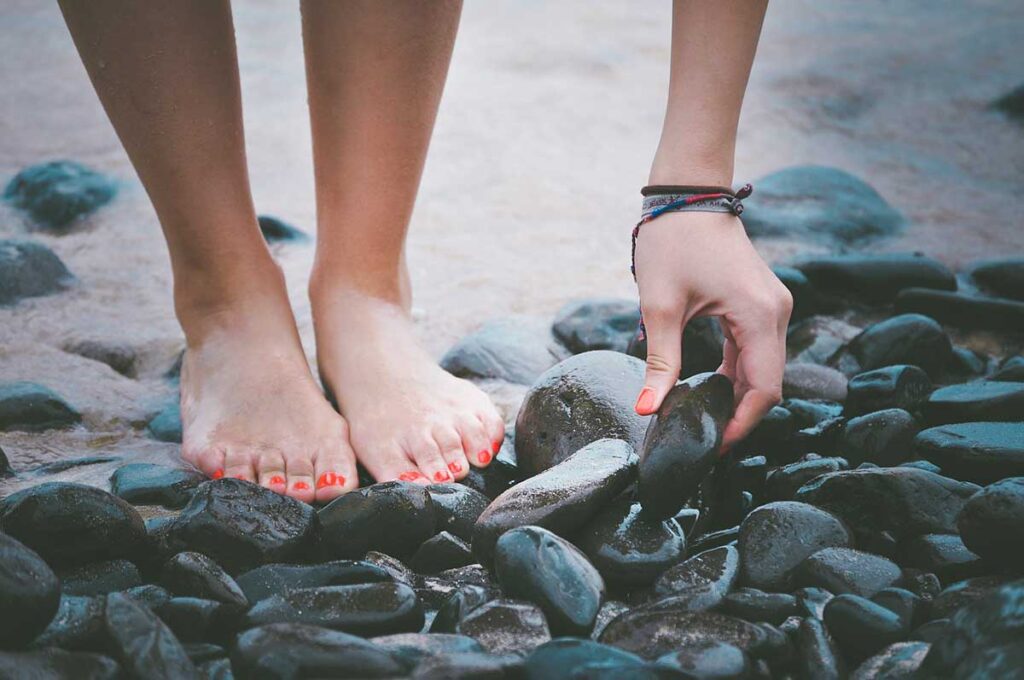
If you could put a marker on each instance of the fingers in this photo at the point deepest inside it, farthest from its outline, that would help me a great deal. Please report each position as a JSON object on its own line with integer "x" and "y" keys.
{"x": 664, "y": 357}
{"x": 759, "y": 363}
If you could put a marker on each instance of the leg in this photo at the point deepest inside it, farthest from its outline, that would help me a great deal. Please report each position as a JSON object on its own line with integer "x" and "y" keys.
{"x": 375, "y": 73}
{"x": 167, "y": 76}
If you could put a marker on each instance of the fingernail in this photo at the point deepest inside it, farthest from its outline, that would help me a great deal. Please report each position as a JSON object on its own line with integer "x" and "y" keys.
{"x": 497, "y": 446}
{"x": 217, "y": 474}
{"x": 455, "y": 467}
{"x": 645, "y": 402}
{"x": 277, "y": 480}
{"x": 441, "y": 476}
{"x": 326, "y": 479}
{"x": 484, "y": 457}
{"x": 410, "y": 476}
{"x": 301, "y": 486}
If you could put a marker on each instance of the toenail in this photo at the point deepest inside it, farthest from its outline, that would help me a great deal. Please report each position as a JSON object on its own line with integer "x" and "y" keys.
{"x": 455, "y": 467}
{"x": 409, "y": 476}
{"x": 326, "y": 479}
{"x": 301, "y": 486}
{"x": 484, "y": 457}
{"x": 339, "y": 480}
{"x": 217, "y": 474}
{"x": 497, "y": 446}
{"x": 277, "y": 479}
{"x": 440, "y": 476}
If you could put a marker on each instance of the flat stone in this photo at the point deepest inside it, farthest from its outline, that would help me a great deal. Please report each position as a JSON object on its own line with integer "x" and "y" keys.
{"x": 701, "y": 582}
{"x": 295, "y": 650}
{"x": 775, "y": 538}
{"x": 564, "y": 657}
{"x": 628, "y": 547}
{"x": 57, "y": 193}
{"x": 905, "y": 339}
{"x": 191, "y": 574}
{"x": 29, "y": 593}
{"x": 945, "y": 555}
{"x": 885, "y": 438}
{"x": 414, "y": 648}
{"x": 457, "y": 508}
{"x": 861, "y": 627}
{"x": 654, "y": 633}
{"x": 898, "y": 660}
{"x": 1012, "y": 370}
{"x": 845, "y": 570}
{"x": 963, "y": 311}
{"x": 817, "y": 655}
{"x": 51, "y": 662}
{"x": 194, "y": 619}
{"x": 980, "y": 400}
{"x": 905, "y": 604}
{"x": 876, "y": 278}
{"x": 534, "y": 564}
{"x": 581, "y": 400}
{"x": 142, "y": 643}
{"x": 100, "y": 578}
{"x": 506, "y": 626}
{"x": 709, "y": 659}
{"x": 992, "y": 522}
{"x": 561, "y": 499}
{"x": 440, "y": 552}
{"x": 29, "y": 269}
{"x": 30, "y": 407}
{"x": 393, "y": 518}
{"x": 459, "y": 603}
{"x": 593, "y": 324}
{"x": 152, "y": 484}
{"x": 435, "y": 589}
{"x": 609, "y": 610}
{"x": 71, "y": 524}
{"x": 120, "y": 357}
{"x": 275, "y": 230}
{"x": 783, "y": 483}
{"x": 166, "y": 426}
{"x": 273, "y": 579}
{"x": 901, "y": 386}
{"x": 982, "y": 452}
{"x": 751, "y": 604}
{"x": 813, "y": 381}
{"x": 962, "y": 593}
{"x": 514, "y": 349}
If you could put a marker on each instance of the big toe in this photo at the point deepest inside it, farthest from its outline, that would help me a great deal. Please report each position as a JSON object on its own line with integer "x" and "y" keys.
{"x": 335, "y": 473}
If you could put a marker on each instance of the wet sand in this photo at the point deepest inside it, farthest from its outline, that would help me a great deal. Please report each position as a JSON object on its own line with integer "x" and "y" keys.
{"x": 546, "y": 132}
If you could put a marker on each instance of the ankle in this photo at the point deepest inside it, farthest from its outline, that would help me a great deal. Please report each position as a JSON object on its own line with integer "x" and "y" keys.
{"x": 328, "y": 284}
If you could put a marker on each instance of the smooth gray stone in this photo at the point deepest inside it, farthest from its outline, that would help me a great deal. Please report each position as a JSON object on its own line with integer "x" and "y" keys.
{"x": 982, "y": 452}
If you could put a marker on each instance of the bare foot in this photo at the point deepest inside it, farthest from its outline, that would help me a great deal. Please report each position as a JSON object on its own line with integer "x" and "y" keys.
{"x": 251, "y": 409}
{"x": 409, "y": 419}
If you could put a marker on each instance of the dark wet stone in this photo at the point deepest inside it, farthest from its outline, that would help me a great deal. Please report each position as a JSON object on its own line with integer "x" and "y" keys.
{"x": 1011, "y": 370}
{"x": 963, "y": 593}
{"x": 440, "y": 552}
{"x": 414, "y": 648}
{"x": 945, "y": 555}
{"x": 506, "y": 626}
{"x": 496, "y": 478}
{"x": 241, "y": 525}
{"x": 876, "y": 278}
{"x": 992, "y": 522}
{"x": 457, "y": 508}
{"x": 100, "y": 578}
{"x": 119, "y": 357}
{"x": 992, "y": 622}
{"x": 922, "y": 583}
{"x": 77, "y": 625}
{"x": 273, "y": 579}
{"x": 702, "y": 581}
{"x": 822, "y": 203}
{"x": 165, "y": 426}
{"x": 536, "y": 565}
{"x": 201, "y": 652}
{"x": 434, "y": 590}
{"x": 29, "y": 269}
{"x": 628, "y": 547}
{"x": 561, "y": 499}
{"x": 142, "y": 643}
{"x": 395, "y": 568}
{"x": 367, "y": 609}
{"x": 514, "y": 349}
{"x": 907, "y": 605}
{"x": 587, "y": 397}
{"x": 822, "y": 437}
{"x": 191, "y": 574}
{"x": 163, "y": 542}
{"x": 56, "y": 193}
{"x": 967, "y": 362}
{"x": 812, "y": 411}
{"x": 783, "y": 483}
{"x": 66, "y": 464}
{"x": 805, "y": 297}
{"x": 901, "y": 386}
{"x": 813, "y": 381}
{"x": 900, "y": 660}
{"x": 709, "y": 659}
{"x": 906, "y": 501}
{"x": 905, "y": 339}
{"x": 559, "y": 658}
{"x": 885, "y": 438}
{"x": 194, "y": 619}
{"x": 713, "y": 539}
{"x": 817, "y": 655}
{"x": 609, "y": 610}
{"x": 775, "y": 538}
{"x": 861, "y": 627}
{"x": 812, "y": 601}
{"x": 931, "y": 631}
{"x": 393, "y": 518}
{"x": 275, "y": 230}
{"x": 30, "y": 407}
{"x": 845, "y": 570}
{"x": 980, "y": 400}
{"x": 151, "y": 484}
{"x": 702, "y": 340}
{"x": 773, "y": 435}
{"x": 592, "y": 324}
{"x": 148, "y": 594}
{"x": 51, "y": 662}
{"x": 29, "y": 593}
{"x": 751, "y": 604}
{"x": 1011, "y": 104}
{"x": 983, "y": 452}
{"x": 70, "y": 524}
{"x": 652, "y": 633}
{"x": 964, "y": 311}
{"x": 470, "y": 666}
{"x": 290, "y": 651}
{"x": 817, "y": 339}
{"x": 459, "y": 603}
{"x": 681, "y": 444}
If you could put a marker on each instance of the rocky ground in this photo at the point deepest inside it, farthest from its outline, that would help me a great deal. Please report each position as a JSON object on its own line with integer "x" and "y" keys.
{"x": 871, "y": 527}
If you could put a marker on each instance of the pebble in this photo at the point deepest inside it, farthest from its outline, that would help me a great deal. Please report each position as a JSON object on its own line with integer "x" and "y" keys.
{"x": 273, "y": 579}
{"x": 682, "y": 441}
{"x": 294, "y": 650}
{"x": 29, "y": 588}
{"x": 561, "y": 499}
{"x": 506, "y": 626}
{"x": 29, "y": 269}
{"x": 191, "y": 574}
{"x": 31, "y": 407}
{"x": 414, "y": 648}
{"x": 57, "y": 193}
{"x": 628, "y": 547}
{"x": 393, "y": 518}
{"x": 166, "y": 426}
{"x": 77, "y": 625}
{"x": 861, "y": 627}
{"x": 434, "y": 590}
{"x": 962, "y": 593}
{"x": 142, "y": 643}
{"x": 195, "y": 619}
{"x": 812, "y": 601}
{"x": 981, "y": 452}
{"x": 609, "y": 610}
{"x": 945, "y": 555}
{"x": 653, "y": 633}
{"x": 845, "y": 570}
{"x": 818, "y": 339}
{"x": 992, "y": 522}
{"x": 600, "y": 323}
{"x": 885, "y": 438}
{"x": 516, "y": 349}
{"x": 1012, "y": 370}
{"x": 900, "y": 660}
{"x": 561, "y": 657}
{"x": 71, "y": 524}
{"x": 905, "y": 339}
{"x": 120, "y": 357}
{"x": 979, "y": 400}
{"x": 241, "y": 525}
{"x": 876, "y": 278}
{"x": 783, "y": 483}
{"x": 51, "y": 662}
{"x": 275, "y": 230}
{"x": 969, "y": 312}
{"x": 457, "y": 508}
{"x": 100, "y": 578}
{"x": 536, "y": 565}
{"x": 709, "y": 660}
{"x": 817, "y": 655}
{"x": 813, "y": 381}
{"x": 583, "y": 399}
{"x": 367, "y": 609}
{"x": 905, "y": 501}
{"x": 459, "y": 603}
{"x": 151, "y": 484}
{"x": 905, "y": 604}
{"x": 440, "y": 552}
{"x": 775, "y": 538}
{"x": 901, "y": 386}
{"x": 1002, "y": 277}
{"x": 701, "y": 582}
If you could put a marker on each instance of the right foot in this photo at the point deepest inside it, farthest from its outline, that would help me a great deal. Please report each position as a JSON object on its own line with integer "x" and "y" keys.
{"x": 250, "y": 408}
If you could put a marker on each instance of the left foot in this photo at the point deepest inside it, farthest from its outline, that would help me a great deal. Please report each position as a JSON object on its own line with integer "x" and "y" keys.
{"x": 408, "y": 418}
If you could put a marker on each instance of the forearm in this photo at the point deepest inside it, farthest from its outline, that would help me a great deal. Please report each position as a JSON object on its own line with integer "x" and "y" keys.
{"x": 713, "y": 46}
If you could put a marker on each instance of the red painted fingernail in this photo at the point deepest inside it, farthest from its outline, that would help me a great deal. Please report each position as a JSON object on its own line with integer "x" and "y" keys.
{"x": 339, "y": 480}
{"x": 455, "y": 467}
{"x": 409, "y": 476}
{"x": 326, "y": 479}
{"x": 484, "y": 457}
{"x": 496, "y": 447}
{"x": 217, "y": 474}
{"x": 441, "y": 476}
{"x": 645, "y": 402}
{"x": 277, "y": 479}
{"x": 301, "y": 486}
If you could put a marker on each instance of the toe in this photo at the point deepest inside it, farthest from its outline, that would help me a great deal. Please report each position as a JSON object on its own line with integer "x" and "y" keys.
{"x": 271, "y": 471}
{"x": 450, "y": 444}
{"x": 299, "y": 476}
{"x": 210, "y": 460}
{"x": 238, "y": 463}
{"x": 335, "y": 472}
{"x": 386, "y": 461}
{"x": 494, "y": 426}
{"x": 476, "y": 442}
{"x": 429, "y": 460}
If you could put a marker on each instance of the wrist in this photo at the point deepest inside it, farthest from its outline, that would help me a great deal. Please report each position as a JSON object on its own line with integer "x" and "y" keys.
{"x": 692, "y": 165}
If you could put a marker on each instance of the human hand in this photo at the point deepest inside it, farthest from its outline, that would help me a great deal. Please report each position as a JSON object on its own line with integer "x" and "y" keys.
{"x": 691, "y": 264}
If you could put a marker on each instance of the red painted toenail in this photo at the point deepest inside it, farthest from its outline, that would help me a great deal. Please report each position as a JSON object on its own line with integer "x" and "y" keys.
{"x": 326, "y": 479}
{"x": 301, "y": 486}
{"x": 339, "y": 480}
{"x": 441, "y": 476}
{"x": 277, "y": 479}
{"x": 484, "y": 457}
{"x": 455, "y": 467}
{"x": 409, "y": 476}
{"x": 497, "y": 447}
{"x": 217, "y": 474}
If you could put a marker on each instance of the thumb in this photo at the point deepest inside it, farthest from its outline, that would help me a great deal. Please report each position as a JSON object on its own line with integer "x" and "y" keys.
{"x": 664, "y": 360}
